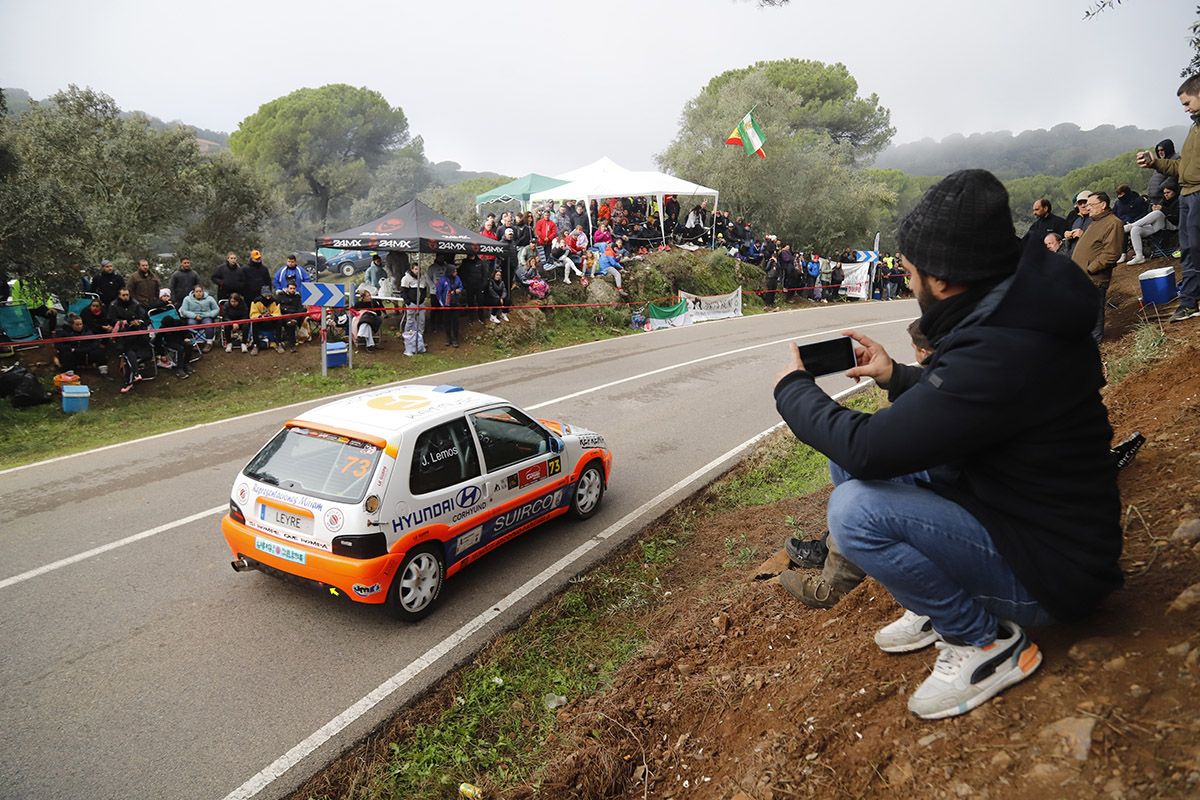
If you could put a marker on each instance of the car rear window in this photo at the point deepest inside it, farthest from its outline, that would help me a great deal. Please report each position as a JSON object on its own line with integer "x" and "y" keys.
{"x": 316, "y": 463}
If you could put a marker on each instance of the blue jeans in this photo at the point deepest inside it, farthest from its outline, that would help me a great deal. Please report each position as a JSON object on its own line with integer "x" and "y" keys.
{"x": 930, "y": 553}
{"x": 1189, "y": 243}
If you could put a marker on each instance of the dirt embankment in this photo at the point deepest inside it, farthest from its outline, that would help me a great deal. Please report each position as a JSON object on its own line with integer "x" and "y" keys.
{"x": 744, "y": 693}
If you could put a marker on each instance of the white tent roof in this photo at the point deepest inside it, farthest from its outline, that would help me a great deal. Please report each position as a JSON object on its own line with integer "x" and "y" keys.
{"x": 606, "y": 178}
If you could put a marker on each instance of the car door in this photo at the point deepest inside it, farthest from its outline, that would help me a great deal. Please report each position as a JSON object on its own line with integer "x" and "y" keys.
{"x": 444, "y": 487}
{"x": 518, "y": 455}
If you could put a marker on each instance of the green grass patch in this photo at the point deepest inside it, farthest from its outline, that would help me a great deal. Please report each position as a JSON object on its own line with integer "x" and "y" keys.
{"x": 1147, "y": 344}
{"x": 784, "y": 467}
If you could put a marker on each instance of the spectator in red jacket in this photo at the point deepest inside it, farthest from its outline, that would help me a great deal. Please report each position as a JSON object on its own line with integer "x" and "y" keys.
{"x": 544, "y": 231}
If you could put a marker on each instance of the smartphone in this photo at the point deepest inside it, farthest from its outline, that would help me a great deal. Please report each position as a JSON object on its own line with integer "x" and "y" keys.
{"x": 831, "y": 355}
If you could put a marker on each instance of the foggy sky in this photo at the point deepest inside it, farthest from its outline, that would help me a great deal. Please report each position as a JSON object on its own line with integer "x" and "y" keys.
{"x": 523, "y": 86}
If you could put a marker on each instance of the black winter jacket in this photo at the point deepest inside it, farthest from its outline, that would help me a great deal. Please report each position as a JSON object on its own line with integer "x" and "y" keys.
{"x": 1010, "y": 403}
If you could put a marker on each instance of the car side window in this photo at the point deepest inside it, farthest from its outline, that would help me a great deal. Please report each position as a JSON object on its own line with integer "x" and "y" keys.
{"x": 443, "y": 456}
{"x": 508, "y": 436}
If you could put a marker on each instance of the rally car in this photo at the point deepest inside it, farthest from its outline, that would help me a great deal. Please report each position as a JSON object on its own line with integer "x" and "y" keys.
{"x": 381, "y": 496}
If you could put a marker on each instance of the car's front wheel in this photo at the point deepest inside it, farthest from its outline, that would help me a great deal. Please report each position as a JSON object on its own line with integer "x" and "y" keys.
{"x": 418, "y": 582}
{"x": 588, "y": 492}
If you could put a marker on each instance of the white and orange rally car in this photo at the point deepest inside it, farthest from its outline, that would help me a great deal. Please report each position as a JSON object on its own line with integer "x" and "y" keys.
{"x": 383, "y": 495}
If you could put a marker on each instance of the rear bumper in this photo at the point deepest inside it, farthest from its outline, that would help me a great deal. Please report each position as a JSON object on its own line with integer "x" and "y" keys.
{"x": 362, "y": 580}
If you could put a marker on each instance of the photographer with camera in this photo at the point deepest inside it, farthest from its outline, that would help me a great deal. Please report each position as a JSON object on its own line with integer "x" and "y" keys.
{"x": 985, "y": 497}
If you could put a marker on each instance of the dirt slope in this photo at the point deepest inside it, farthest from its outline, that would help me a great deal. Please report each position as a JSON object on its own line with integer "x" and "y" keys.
{"x": 744, "y": 693}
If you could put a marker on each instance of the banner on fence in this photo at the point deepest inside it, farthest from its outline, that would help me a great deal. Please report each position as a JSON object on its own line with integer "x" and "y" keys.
{"x": 857, "y": 279}
{"x": 716, "y": 306}
{"x": 673, "y": 316}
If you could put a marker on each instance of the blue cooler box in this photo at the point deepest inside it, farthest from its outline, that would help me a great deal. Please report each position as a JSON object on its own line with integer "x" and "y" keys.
{"x": 1158, "y": 286}
{"x": 336, "y": 355}
{"x": 75, "y": 399}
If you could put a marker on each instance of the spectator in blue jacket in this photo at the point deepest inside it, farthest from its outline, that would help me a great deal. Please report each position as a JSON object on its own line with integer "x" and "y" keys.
{"x": 449, "y": 293}
{"x": 199, "y": 308}
{"x": 290, "y": 271}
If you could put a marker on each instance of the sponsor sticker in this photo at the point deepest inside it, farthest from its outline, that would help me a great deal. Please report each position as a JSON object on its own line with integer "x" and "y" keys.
{"x": 243, "y": 492}
{"x": 532, "y": 474}
{"x": 334, "y": 518}
{"x": 366, "y": 591}
{"x": 512, "y": 481}
{"x": 590, "y": 440}
{"x": 527, "y": 512}
{"x": 467, "y": 540}
{"x": 398, "y": 402}
{"x": 467, "y": 497}
{"x": 279, "y": 550}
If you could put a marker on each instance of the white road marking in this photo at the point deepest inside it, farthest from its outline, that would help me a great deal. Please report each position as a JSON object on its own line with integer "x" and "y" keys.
{"x": 104, "y": 548}
{"x": 343, "y": 720}
{"x": 201, "y": 425}
{"x": 702, "y": 359}
{"x": 137, "y": 537}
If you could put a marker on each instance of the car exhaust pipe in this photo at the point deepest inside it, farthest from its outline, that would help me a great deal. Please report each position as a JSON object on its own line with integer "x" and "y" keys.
{"x": 240, "y": 565}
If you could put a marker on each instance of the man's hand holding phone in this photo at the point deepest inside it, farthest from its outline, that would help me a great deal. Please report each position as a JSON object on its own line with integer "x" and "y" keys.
{"x": 873, "y": 360}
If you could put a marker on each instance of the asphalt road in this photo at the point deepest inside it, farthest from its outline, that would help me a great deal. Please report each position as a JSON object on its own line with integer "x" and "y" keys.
{"x": 152, "y": 670}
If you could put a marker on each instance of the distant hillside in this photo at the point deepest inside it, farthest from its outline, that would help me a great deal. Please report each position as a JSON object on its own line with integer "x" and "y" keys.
{"x": 1054, "y": 152}
{"x": 448, "y": 173}
{"x": 19, "y": 102}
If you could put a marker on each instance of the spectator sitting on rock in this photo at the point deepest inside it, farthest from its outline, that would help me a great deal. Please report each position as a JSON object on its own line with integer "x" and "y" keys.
{"x": 289, "y": 304}
{"x": 1163, "y": 215}
{"x": 74, "y": 354}
{"x": 1024, "y": 528}
{"x": 603, "y": 236}
{"x": 609, "y": 263}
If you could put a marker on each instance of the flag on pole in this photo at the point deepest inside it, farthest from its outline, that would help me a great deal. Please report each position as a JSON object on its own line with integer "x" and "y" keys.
{"x": 749, "y": 135}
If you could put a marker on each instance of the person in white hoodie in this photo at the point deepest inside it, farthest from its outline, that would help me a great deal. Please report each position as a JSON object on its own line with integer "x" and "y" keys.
{"x": 199, "y": 308}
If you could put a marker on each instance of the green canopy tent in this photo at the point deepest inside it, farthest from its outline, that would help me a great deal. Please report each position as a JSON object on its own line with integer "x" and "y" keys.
{"x": 518, "y": 189}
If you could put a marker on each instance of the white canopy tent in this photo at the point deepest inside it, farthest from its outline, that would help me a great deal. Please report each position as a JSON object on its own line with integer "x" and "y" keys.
{"x": 605, "y": 178}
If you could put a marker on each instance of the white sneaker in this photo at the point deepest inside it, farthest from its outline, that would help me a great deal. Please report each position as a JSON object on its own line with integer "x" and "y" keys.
{"x": 964, "y": 676}
{"x": 244, "y": 348}
{"x": 492, "y": 318}
{"x": 1121, "y": 260}
{"x": 911, "y": 632}
{"x": 504, "y": 317}
{"x": 229, "y": 347}
{"x": 1133, "y": 262}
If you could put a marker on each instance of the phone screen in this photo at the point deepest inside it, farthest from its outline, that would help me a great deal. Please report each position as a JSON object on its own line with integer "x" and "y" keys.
{"x": 831, "y": 355}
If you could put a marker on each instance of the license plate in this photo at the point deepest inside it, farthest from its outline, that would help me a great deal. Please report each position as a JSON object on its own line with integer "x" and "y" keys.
{"x": 279, "y": 550}
{"x": 270, "y": 517}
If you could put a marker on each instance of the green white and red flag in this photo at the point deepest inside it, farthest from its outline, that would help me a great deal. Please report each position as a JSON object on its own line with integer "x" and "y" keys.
{"x": 749, "y": 134}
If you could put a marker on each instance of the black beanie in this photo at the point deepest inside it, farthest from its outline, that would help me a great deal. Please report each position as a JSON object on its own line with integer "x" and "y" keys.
{"x": 962, "y": 229}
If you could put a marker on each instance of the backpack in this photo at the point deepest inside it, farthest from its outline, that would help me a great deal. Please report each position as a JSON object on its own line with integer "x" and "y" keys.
{"x": 26, "y": 389}
{"x": 539, "y": 288}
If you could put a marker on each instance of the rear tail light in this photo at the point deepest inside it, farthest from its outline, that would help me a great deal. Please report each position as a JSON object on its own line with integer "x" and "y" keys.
{"x": 236, "y": 513}
{"x": 363, "y": 545}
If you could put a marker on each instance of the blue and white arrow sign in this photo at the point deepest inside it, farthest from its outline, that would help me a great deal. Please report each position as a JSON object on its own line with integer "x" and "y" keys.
{"x": 322, "y": 294}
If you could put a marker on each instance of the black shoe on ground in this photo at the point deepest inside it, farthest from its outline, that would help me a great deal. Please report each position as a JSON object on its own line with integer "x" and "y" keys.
{"x": 1185, "y": 312}
{"x": 807, "y": 553}
{"x": 1126, "y": 450}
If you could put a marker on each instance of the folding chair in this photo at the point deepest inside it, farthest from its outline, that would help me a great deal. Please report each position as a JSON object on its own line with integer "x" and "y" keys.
{"x": 79, "y": 304}
{"x": 1162, "y": 244}
{"x": 16, "y": 323}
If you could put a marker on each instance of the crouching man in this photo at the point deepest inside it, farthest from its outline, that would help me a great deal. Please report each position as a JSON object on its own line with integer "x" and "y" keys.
{"x": 985, "y": 497}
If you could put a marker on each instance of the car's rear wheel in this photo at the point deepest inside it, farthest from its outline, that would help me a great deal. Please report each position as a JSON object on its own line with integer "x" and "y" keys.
{"x": 347, "y": 269}
{"x": 418, "y": 583}
{"x": 588, "y": 492}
